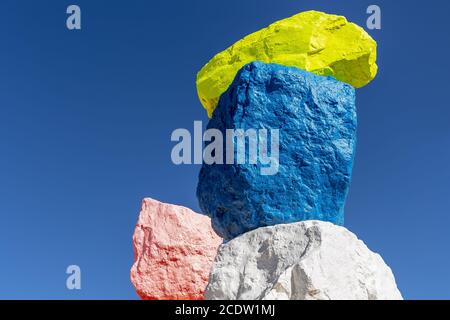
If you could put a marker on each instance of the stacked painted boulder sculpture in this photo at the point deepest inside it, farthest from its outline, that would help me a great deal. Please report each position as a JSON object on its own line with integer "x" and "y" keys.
{"x": 282, "y": 231}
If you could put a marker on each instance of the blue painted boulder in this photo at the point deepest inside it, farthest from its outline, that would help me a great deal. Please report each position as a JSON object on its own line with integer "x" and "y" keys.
{"x": 316, "y": 121}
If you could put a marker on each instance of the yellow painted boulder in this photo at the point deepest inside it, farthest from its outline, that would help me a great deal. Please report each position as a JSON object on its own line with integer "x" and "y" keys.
{"x": 314, "y": 41}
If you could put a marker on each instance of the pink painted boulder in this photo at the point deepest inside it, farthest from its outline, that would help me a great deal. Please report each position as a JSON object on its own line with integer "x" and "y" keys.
{"x": 174, "y": 249}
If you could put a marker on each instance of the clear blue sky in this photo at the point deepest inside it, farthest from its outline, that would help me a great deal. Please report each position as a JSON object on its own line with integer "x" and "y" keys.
{"x": 86, "y": 118}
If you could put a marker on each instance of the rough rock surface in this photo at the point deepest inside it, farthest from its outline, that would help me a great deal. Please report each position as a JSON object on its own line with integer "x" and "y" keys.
{"x": 316, "y": 118}
{"x": 314, "y": 41}
{"x": 174, "y": 248}
{"x": 309, "y": 260}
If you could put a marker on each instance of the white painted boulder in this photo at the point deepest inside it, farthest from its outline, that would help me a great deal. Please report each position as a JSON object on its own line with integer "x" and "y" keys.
{"x": 309, "y": 260}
